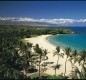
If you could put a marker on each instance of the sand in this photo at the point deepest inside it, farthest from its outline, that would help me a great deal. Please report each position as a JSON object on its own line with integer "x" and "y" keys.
{"x": 43, "y": 43}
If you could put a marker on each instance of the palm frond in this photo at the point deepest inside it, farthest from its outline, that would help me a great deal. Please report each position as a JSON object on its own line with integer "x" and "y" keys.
{"x": 54, "y": 54}
{"x": 57, "y": 66}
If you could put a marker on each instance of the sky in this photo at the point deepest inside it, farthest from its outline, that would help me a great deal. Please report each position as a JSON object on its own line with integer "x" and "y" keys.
{"x": 43, "y": 9}
{"x": 57, "y": 12}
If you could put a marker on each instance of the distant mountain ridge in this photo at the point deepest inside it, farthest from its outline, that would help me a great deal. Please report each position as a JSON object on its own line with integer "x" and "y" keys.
{"x": 42, "y": 22}
{"x": 8, "y": 22}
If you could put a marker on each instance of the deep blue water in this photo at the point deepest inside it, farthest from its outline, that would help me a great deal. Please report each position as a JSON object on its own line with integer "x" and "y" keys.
{"x": 80, "y": 30}
{"x": 75, "y": 41}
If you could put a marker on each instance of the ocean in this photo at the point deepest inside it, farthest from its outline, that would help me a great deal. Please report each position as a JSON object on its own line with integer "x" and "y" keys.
{"x": 75, "y": 41}
{"x": 80, "y": 30}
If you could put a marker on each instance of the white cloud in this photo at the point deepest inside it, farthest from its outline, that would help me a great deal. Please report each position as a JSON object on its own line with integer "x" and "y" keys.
{"x": 51, "y": 21}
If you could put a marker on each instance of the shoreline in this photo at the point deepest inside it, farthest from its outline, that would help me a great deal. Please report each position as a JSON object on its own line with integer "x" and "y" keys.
{"x": 45, "y": 44}
{"x": 47, "y": 40}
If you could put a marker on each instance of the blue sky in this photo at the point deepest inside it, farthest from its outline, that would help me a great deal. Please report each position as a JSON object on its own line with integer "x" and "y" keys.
{"x": 44, "y": 9}
{"x": 53, "y": 12}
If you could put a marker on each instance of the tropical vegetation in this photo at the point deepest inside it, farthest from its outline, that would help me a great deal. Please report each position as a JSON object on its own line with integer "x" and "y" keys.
{"x": 19, "y": 60}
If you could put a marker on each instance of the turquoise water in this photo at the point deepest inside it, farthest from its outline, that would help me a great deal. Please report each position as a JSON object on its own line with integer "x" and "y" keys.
{"x": 75, "y": 41}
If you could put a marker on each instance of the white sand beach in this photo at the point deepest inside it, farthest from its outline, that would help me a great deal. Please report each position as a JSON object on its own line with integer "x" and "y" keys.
{"x": 43, "y": 43}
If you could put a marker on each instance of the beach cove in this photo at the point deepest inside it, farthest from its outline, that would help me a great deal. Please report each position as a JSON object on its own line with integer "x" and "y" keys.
{"x": 74, "y": 41}
{"x": 45, "y": 44}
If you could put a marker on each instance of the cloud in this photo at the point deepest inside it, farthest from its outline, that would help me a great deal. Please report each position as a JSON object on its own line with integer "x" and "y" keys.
{"x": 51, "y": 21}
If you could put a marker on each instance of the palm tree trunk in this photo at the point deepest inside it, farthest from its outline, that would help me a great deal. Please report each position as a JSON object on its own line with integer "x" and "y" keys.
{"x": 55, "y": 71}
{"x": 39, "y": 68}
{"x": 58, "y": 59}
{"x": 65, "y": 67}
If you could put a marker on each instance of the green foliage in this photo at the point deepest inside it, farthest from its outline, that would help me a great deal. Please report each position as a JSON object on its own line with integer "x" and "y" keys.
{"x": 57, "y": 77}
{"x": 78, "y": 74}
{"x": 36, "y": 74}
{"x": 67, "y": 51}
{"x": 41, "y": 54}
{"x": 16, "y": 55}
{"x": 28, "y": 31}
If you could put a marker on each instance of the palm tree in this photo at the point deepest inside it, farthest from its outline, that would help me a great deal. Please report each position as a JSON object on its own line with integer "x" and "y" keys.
{"x": 73, "y": 57}
{"x": 8, "y": 66}
{"x": 38, "y": 50}
{"x": 82, "y": 56}
{"x": 77, "y": 74}
{"x": 57, "y": 66}
{"x": 28, "y": 56}
{"x": 29, "y": 45}
{"x": 45, "y": 57}
{"x": 57, "y": 52}
{"x": 45, "y": 52}
{"x": 22, "y": 47}
{"x": 67, "y": 51}
{"x": 41, "y": 54}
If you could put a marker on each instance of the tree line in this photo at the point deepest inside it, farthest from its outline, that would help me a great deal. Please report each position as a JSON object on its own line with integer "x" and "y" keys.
{"x": 17, "y": 58}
